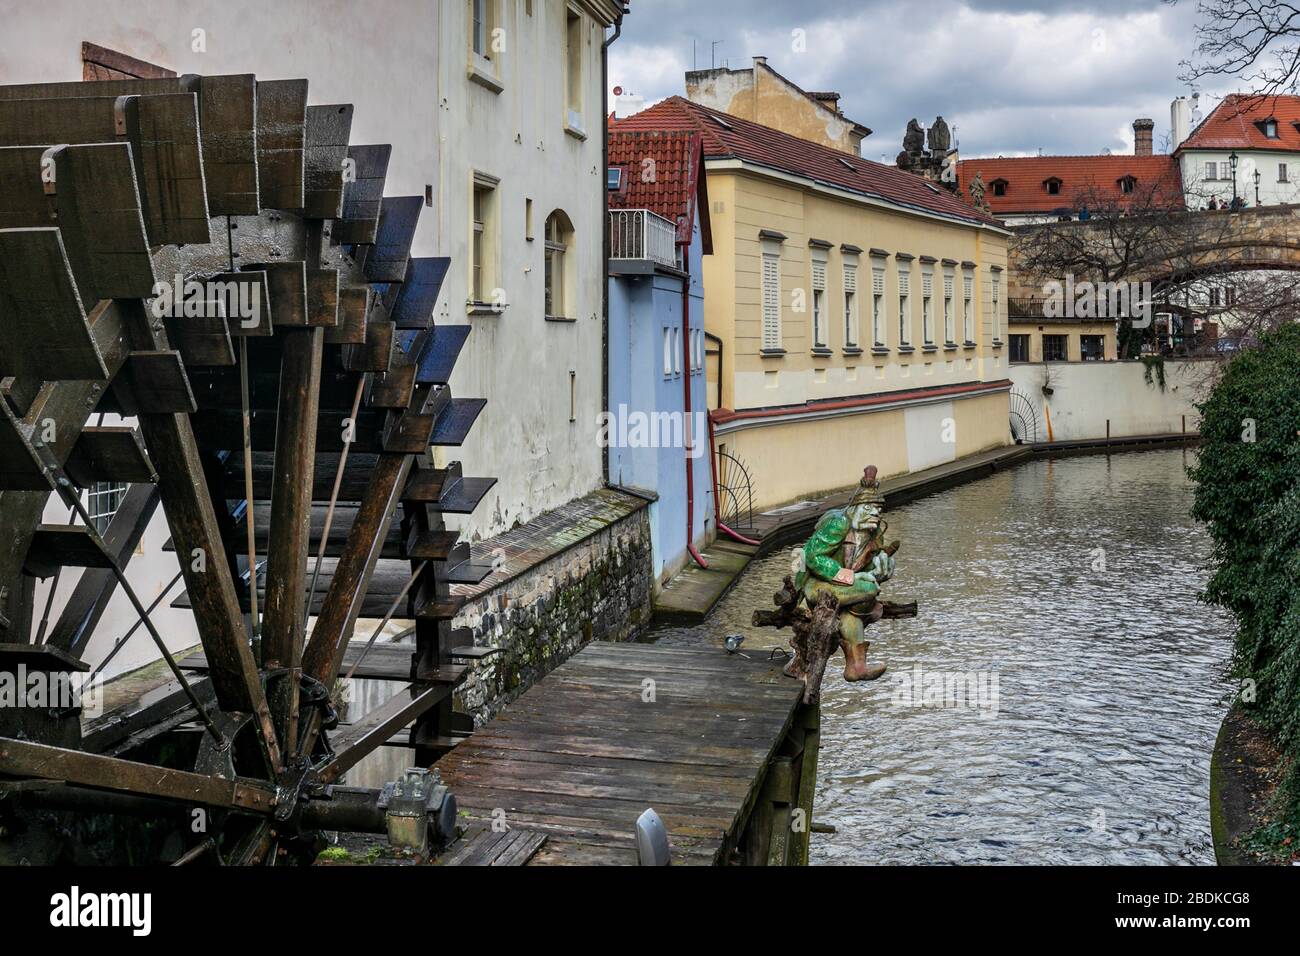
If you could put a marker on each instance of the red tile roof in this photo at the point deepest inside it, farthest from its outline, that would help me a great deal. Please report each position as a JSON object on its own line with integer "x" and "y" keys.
{"x": 1080, "y": 176}
{"x": 1231, "y": 124}
{"x": 729, "y": 137}
{"x": 677, "y": 188}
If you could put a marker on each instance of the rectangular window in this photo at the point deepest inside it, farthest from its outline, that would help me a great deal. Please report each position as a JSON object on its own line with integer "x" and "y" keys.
{"x": 927, "y": 307}
{"x": 103, "y": 498}
{"x": 479, "y": 26}
{"x": 556, "y": 248}
{"x": 878, "y": 307}
{"x": 1092, "y": 347}
{"x": 1056, "y": 348}
{"x": 481, "y": 256}
{"x": 573, "y": 70}
{"x": 968, "y": 312}
{"x": 997, "y": 307}
{"x": 1281, "y": 173}
{"x": 668, "y": 351}
{"x": 677, "y": 351}
{"x": 771, "y": 300}
{"x": 904, "y": 306}
{"x": 850, "y": 306}
{"x": 1211, "y": 169}
{"x": 819, "y": 303}
{"x": 949, "y": 323}
{"x": 1019, "y": 347}
{"x": 1225, "y": 171}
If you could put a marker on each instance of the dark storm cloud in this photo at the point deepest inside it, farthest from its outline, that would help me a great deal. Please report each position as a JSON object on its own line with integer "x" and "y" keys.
{"x": 1014, "y": 76}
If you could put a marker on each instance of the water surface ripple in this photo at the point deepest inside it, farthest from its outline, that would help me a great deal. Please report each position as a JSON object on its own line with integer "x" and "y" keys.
{"x": 1074, "y": 582}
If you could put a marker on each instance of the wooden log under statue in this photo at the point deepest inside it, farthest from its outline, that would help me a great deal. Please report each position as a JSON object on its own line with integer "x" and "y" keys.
{"x": 833, "y": 593}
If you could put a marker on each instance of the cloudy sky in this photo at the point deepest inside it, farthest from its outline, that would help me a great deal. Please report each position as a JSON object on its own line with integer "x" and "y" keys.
{"x": 1013, "y": 76}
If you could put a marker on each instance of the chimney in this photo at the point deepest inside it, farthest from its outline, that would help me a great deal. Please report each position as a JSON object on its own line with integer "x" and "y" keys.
{"x": 1142, "y": 136}
{"x": 1180, "y": 121}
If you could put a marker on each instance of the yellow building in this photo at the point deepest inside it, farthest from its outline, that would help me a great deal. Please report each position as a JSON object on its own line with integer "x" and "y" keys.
{"x": 1040, "y": 339}
{"x": 857, "y": 313}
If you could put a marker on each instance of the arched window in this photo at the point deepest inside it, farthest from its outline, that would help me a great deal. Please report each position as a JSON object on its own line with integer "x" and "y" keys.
{"x": 559, "y": 265}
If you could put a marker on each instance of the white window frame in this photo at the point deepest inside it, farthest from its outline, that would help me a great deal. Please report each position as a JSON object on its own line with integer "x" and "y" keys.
{"x": 770, "y": 297}
{"x": 668, "y": 351}
{"x": 879, "y": 335}
{"x": 927, "y": 304}
{"x": 995, "y": 284}
{"x": 574, "y": 31}
{"x": 968, "y": 310}
{"x": 851, "y": 327}
{"x": 905, "y": 304}
{"x": 949, "y": 320}
{"x": 818, "y": 274}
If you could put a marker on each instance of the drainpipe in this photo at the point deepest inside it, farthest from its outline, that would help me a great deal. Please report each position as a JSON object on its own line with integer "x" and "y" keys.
{"x": 604, "y": 229}
{"x": 687, "y": 431}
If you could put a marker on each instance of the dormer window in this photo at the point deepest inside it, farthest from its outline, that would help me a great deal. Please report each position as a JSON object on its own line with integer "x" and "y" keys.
{"x": 1270, "y": 128}
{"x": 999, "y": 187}
{"x": 1127, "y": 184}
{"x": 1053, "y": 186}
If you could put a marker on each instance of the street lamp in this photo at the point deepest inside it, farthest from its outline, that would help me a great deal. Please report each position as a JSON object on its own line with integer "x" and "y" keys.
{"x": 1232, "y": 162}
{"x": 1257, "y": 189}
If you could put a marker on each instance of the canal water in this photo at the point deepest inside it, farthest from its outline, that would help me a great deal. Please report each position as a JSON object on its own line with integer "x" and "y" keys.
{"x": 1057, "y": 697}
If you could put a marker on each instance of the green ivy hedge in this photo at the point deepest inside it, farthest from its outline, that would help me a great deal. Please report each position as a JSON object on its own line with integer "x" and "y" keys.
{"x": 1248, "y": 494}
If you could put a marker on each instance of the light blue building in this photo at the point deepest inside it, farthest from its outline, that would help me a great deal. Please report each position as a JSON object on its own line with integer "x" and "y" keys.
{"x": 657, "y": 418}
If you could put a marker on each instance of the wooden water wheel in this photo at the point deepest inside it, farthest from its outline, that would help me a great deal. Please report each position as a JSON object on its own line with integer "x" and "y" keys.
{"x": 280, "y": 405}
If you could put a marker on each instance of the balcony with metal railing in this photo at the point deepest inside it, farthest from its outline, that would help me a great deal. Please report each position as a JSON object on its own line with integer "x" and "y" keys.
{"x": 640, "y": 240}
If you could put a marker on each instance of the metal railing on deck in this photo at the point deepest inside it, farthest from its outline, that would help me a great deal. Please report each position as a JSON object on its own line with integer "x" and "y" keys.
{"x": 642, "y": 234}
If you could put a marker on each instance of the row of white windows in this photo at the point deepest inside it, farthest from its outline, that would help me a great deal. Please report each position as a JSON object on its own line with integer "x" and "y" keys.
{"x": 673, "y": 351}
{"x": 771, "y": 306}
{"x": 1223, "y": 171}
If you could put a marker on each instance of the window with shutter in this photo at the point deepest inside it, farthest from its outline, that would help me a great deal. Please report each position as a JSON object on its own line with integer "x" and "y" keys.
{"x": 878, "y": 308}
{"x": 771, "y": 301}
{"x": 904, "y": 311}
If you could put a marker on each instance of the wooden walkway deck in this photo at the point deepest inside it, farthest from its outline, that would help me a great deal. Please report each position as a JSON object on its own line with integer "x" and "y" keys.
{"x": 715, "y": 745}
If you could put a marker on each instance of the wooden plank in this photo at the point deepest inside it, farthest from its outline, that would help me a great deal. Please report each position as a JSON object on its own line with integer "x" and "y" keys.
{"x": 111, "y": 453}
{"x": 394, "y": 387}
{"x": 252, "y": 289}
{"x": 43, "y": 330}
{"x": 390, "y": 662}
{"x": 192, "y": 519}
{"x": 438, "y": 355}
{"x": 363, "y": 195}
{"x": 415, "y": 299}
{"x": 283, "y": 625}
{"x": 376, "y": 354}
{"x": 328, "y": 129}
{"x": 97, "y": 205}
{"x": 510, "y": 848}
{"x": 228, "y": 114}
{"x": 163, "y": 131}
{"x": 38, "y": 657}
{"x": 154, "y": 381}
{"x": 455, "y": 422}
{"x": 281, "y": 141}
{"x": 25, "y": 759}
{"x": 287, "y": 287}
{"x": 343, "y": 600}
{"x": 398, "y": 216}
{"x": 323, "y": 298}
{"x": 353, "y": 307}
{"x": 62, "y": 546}
{"x": 202, "y": 341}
